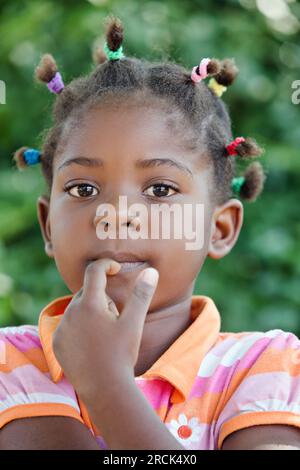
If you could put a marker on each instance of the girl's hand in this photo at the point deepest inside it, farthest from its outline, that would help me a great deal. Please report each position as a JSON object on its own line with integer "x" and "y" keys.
{"x": 94, "y": 344}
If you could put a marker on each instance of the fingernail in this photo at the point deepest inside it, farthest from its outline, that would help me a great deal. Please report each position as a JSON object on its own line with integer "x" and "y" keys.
{"x": 115, "y": 264}
{"x": 150, "y": 276}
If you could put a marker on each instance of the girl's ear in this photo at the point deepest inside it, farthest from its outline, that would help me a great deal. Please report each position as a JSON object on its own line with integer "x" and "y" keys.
{"x": 226, "y": 225}
{"x": 43, "y": 205}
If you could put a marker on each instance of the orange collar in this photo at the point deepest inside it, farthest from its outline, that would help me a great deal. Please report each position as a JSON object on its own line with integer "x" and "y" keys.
{"x": 178, "y": 365}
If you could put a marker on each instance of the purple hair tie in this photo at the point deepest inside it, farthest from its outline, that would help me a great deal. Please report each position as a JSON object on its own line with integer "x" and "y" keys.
{"x": 56, "y": 84}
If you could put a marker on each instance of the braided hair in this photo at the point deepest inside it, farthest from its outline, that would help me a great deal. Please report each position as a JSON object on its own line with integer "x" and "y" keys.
{"x": 204, "y": 119}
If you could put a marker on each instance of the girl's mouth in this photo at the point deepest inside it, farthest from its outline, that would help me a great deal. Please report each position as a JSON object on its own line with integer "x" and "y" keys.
{"x": 128, "y": 266}
{"x": 132, "y": 266}
{"x": 129, "y": 262}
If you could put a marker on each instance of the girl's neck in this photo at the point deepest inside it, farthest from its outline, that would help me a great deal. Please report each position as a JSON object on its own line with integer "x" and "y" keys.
{"x": 161, "y": 329}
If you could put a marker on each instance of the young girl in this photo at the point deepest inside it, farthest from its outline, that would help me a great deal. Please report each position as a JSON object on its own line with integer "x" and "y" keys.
{"x": 132, "y": 359}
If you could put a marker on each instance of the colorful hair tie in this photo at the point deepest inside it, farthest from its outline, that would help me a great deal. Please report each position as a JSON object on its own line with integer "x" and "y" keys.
{"x": 231, "y": 148}
{"x": 113, "y": 55}
{"x": 200, "y": 72}
{"x": 56, "y": 85}
{"x": 237, "y": 183}
{"x": 216, "y": 87}
{"x": 32, "y": 156}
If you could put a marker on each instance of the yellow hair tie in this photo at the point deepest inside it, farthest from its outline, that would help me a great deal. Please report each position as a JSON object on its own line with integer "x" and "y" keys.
{"x": 216, "y": 87}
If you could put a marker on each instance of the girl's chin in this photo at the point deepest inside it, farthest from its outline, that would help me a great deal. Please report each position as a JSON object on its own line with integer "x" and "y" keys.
{"x": 121, "y": 296}
{"x": 119, "y": 301}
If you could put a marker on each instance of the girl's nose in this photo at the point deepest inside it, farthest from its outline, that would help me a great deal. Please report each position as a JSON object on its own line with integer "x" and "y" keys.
{"x": 109, "y": 218}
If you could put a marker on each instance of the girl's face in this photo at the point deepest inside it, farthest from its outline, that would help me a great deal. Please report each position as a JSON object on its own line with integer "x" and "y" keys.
{"x": 109, "y": 146}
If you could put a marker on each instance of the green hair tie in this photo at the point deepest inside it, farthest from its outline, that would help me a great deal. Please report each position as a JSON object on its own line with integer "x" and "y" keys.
{"x": 113, "y": 55}
{"x": 237, "y": 183}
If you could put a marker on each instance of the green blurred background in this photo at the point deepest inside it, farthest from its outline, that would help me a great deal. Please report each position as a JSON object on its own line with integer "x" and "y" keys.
{"x": 257, "y": 286}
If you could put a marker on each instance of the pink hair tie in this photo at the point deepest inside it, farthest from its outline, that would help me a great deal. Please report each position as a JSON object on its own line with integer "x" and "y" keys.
{"x": 200, "y": 72}
{"x": 56, "y": 84}
{"x": 231, "y": 148}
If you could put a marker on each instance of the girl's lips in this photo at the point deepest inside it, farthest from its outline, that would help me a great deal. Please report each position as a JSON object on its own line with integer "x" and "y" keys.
{"x": 128, "y": 266}
{"x": 131, "y": 266}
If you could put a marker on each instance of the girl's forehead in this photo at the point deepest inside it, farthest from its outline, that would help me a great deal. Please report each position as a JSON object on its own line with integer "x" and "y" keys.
{"x": 131, "y": 132}
{"x": 141, "y": 119}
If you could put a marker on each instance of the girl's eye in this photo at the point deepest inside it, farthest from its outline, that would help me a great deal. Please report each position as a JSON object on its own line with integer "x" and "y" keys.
{"x": 81, "y": 190}
{"x": 162, "y": 190}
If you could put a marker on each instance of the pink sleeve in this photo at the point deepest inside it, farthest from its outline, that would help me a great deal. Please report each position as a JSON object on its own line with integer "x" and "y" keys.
{"x": 265, "y": 385}
{"x": 26, "y": 387}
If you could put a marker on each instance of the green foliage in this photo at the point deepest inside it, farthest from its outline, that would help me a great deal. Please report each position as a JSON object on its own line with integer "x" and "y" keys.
{"x": 256, "y": 287}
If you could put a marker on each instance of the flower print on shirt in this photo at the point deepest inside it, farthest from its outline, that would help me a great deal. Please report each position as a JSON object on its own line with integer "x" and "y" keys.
{"x": 187, "y": 432}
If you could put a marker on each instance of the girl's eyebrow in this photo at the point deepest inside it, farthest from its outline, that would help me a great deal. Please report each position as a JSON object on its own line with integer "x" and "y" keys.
{"x": 83, "y": 161}
{"x": 145, "y": 163}
{"x": 154, "y": 162}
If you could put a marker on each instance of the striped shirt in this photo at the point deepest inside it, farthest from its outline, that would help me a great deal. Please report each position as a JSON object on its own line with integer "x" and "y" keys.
{"x": 205, "y": 386}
